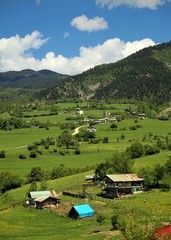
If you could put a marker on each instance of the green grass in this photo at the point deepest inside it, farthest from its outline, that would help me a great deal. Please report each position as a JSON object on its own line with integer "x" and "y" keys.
{"x": 18, "y": 222}
{"x": 28, "y": 223}
{"x": 15, "y": 142}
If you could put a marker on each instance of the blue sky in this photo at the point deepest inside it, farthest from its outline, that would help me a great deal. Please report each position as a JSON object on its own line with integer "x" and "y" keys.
{"x": 71, "y": 36}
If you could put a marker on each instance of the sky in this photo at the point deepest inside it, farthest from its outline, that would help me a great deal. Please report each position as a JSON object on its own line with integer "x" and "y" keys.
{"x": 72, "y": 36}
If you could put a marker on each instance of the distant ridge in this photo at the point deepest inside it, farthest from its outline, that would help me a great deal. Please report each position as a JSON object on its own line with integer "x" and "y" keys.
{"x": 29, "y": 78}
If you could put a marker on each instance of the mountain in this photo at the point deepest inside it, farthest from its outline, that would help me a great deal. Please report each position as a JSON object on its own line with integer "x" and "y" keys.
{"x": 144, "y": 75}
{"x": 30, "y": 79}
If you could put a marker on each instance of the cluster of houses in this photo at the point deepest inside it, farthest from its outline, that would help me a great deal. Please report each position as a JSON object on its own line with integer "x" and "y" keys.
{"x": 112, "y": 186}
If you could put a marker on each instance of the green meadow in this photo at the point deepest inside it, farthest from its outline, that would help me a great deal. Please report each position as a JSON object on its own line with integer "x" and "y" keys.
{"x": 30, "y": 224}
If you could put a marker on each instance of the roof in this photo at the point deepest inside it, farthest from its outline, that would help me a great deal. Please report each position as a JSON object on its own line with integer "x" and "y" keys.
{"x": 124, "y": 177}
{"x": 163, "y": 231}
{"x": 84, "y": 210}
{"x": 38, "y": 194}
{"x": 41, "y": 199}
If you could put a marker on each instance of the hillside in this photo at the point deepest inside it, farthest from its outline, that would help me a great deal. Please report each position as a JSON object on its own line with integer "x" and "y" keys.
{"x": 30, "y": 79}
{"x": 145, "y": 75}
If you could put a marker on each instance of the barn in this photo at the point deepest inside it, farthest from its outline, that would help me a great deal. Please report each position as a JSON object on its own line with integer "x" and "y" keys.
{"x": 81, "y": 211}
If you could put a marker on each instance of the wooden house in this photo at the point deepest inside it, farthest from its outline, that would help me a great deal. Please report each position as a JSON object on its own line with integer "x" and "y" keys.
{"x": 46, "y": 202}
{"x": 116, "y": 185}
{"x": 40, "y": 199}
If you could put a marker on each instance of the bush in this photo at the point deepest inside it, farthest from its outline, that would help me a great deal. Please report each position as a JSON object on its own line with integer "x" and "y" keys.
{"x": 77, "y": 151}
{"x": 105, "y": 140}
{"x": 2, "y": 154}
{"x": 114, "y": 221}
{"x": 22, "y": 156}
{"x": 100, "y": 219}
{"x": 33, "y": 155}
{"x": 9, "y": 181}
{"x": 150, "y": 150}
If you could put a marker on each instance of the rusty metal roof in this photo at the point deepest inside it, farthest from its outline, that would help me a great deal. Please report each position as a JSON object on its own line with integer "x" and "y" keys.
{"x": 124, "y": 177}
{"x": 41, "y": 199}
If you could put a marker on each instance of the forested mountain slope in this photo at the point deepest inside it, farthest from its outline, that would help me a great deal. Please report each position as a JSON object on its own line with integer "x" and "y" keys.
{"x": 30, "y": 79}
{"x": 145, "y": 75}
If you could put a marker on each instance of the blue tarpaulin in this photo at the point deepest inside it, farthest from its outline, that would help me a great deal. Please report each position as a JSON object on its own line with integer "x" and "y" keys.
{"x": 81, "y": 211}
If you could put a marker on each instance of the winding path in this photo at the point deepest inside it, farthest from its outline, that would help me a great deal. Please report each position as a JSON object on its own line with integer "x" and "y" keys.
{"x": 77, "y": 130}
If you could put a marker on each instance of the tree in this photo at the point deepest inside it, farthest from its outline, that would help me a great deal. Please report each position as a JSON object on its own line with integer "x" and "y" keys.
{"x": 36, "y": 174}
{"x": 158, "y": 173}
{"x": 66, "y": 139}
{"x": 168, "y": 166}
{"x": 9, "y": 181}
{"x": 43, "y": 186}
{"x": 33, "y": 187}
{"x": 147, "y": 174}
{"x": 136, "y": 150}
{"x": 119, "y": 163}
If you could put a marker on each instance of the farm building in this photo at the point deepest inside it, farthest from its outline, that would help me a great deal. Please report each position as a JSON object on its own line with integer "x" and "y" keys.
{"x": 79, "y": 111}
{"x": 46, "y": 202}
{"x": 42, "y": 199}
{"x": 164, "y": 232}
{"x": 81, "y": 211}
{"x": 116, "y": 185}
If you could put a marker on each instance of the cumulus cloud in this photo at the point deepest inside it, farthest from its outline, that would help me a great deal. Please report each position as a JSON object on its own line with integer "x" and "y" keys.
{"x": 83, "y": 23}
{"x": 151, "y": 4}
{"x": 16, "y": 54}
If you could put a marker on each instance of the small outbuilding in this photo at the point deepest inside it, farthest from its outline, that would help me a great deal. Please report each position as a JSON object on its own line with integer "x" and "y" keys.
{"x": 81, "y": 211}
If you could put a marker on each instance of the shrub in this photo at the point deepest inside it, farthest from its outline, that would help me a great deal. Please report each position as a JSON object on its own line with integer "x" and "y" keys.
{"x": 105, "y": 140}
{"x": 33, "y": 155}
{"x": 2, "y": 154}
{"x": 100, "y": 219}
{"x": 77, "y": 151}
{"x": 22, "y": 156}
{"x": 114, "y": 221}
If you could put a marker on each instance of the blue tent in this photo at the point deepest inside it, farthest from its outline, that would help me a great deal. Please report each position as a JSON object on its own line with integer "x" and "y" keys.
{"x": 81, "y": 211}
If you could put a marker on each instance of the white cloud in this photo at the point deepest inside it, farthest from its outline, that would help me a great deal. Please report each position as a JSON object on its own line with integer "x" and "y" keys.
{"x": 15, "y": 54}
{"x": 151, "y": 4}
{"x": 66, "y": 34}
{"x": 83, "y": 23}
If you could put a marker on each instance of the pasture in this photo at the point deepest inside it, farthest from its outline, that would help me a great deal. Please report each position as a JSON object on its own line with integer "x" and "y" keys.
{"x": 30, "y": 224}
{"x": 26, "y": 223}
{"x": 15, "y": 142}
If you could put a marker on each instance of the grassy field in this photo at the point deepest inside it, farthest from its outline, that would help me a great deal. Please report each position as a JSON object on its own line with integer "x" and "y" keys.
{"x": 31, "y": 224}
{"x": 28, "y": 223}
{"x": 15, "y": 142}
